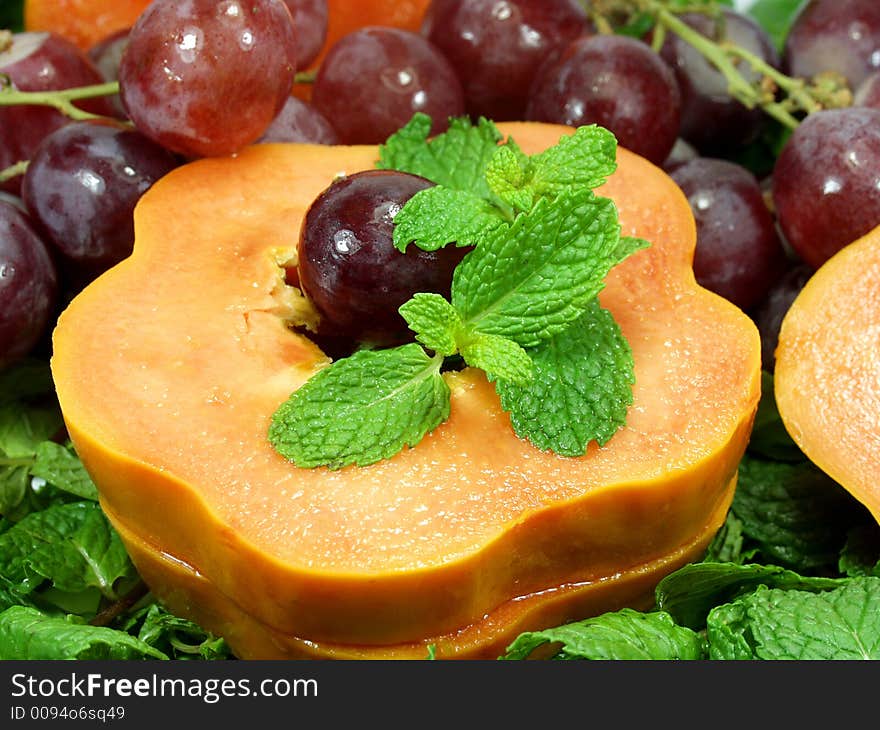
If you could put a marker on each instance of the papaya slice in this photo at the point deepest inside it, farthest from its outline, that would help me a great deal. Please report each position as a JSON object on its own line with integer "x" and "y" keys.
{"x": 827, "y": 373}
{"x": 169, "y": 367}
{"x": 83, "y": 22}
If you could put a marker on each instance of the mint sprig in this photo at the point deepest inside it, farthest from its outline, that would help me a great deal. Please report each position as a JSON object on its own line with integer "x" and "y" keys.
{"x": 523, "y": 306}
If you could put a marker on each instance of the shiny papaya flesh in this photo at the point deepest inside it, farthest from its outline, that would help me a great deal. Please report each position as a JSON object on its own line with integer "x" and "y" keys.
{"x": 169, "y": 367}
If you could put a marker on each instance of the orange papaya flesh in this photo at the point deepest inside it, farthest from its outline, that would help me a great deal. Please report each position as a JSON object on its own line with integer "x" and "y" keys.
{"x": 168, "y": 369}
{"x": 827, "y": 370}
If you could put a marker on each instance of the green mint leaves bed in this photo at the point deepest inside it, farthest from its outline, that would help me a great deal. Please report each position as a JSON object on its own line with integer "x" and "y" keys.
{"x": 523, "y": 307}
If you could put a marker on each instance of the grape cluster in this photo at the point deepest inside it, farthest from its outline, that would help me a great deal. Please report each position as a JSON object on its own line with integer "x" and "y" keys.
{"x": 208, "y": 77}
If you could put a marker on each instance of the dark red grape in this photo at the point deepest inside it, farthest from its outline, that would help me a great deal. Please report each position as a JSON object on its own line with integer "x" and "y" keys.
{"x": 826, "y": 181}
{"x": 299, "y": 121}
{"x": 769, "y": 312}
{"x": 835, "y": 35}
{"x": 616, "y": 82}
{"x": 867, "y": 93}
{"x": 206, "y": 78}
{"x": 711, "y": 119}
{"x": 739, "y": 254}
{"x": 82, "y": 185}
{"x": 680, "y": 153}
{"x": 496, "y": 46}
{"x": 28, "y": 285}
{"x": 348, "y": 266}
{"x": 373, "y": 80}
{"x": 310, "y": 23}
{"x": 40, "y": 62}
{"x": 107, "y": 55}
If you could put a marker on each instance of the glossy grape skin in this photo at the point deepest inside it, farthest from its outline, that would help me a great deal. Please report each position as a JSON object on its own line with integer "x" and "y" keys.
{"x": 348, "y": 266}
{"x": 867, "y": 93}
{"x": 205, "y": 78}
{"x": 497, "y": 46}
{"x": 82, "y": 185}
{"x": 738, "y": 254}
{"x": 711, "y": 120}
{"x": 40, "y": 62}
{"x": 373, "y": 80}
{"x": 107, "y": 55}
{"x": 300, "y": 122}
{"x": 770, "y": 311}
{"x": 835, "y": 35}
{"x": 310, "y": 19}
{"x": 826, "y": 182}
{"x": 28, "y": 285}
{"x": 616, "y": 82}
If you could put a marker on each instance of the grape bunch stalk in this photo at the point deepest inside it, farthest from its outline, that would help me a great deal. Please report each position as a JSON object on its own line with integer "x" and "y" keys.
{"x": 695, "y": 88}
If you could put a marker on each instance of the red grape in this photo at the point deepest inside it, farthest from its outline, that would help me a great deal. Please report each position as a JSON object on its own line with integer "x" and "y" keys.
{"x": 711, "y": 119}
{"x": 40, "y": 62}
{"x": 82, "y": 185}
{"x": 107, "y": 55}
{"x": 348, "y": 266}
{"x": 739, "y": 254}
{"x": 299, "y": 121}
{"x": 826, "y": 181}
{"x": 206, "y": 78}
{"x": 373, "y": 80}
{"x": 28, "y": 285}
{"x": 835, "y": 35}
{"x": 616, "y": 82}
{"x": 867, "y": 93}
{"x": 496, "y": 46}
{"x": 772, "y": 308}
{"x": 310, "y": 22}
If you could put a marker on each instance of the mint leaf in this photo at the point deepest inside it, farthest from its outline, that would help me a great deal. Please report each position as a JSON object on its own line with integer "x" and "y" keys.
{"x": 861, "y": 553}
{"x": 795, "y": 514}
{"x": 27, "y": 634}
{"x": 435, "y": 322}
{"x": 61, "y": 468}
{"x": 623, "y": 635}
{"x": 691, "y": 592}
{"x": 456, "y": 159}
{"x": 436, "y": 216}
{"x": 775, "y": 624}
{"x": 529, "y": 282}
{"x": 508, "y": 176}
{"x": 581, "y": 390}
{"x": 176, "y": 637}
{"x": 362, "y": 409}
{"x": 502, "y": 359}
{"x": 584, "y": 159}
{"x": 23, "y": 427}
{"x": 25, "y": 379}
{"x": 14, "y": 488}
{"x": 728, "y": 544}
{"x": 72, "y": 546}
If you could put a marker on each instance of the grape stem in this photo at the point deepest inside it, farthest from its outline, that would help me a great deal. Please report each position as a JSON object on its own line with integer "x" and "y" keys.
{"x": 799, "y": 94}
{"x": 19, "y": 168}
{"x": 61, "y": 100}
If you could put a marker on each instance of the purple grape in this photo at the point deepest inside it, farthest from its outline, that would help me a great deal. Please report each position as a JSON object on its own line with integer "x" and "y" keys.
{"x": 299, "y": 121}
{"x": 310, "y": 19}
{"x": 82, "y": 185}
{"x": 28, "y": 285}
{"x": 348, "y": 266}
{"x": 206, "y": 78}
{"x": 497, "y": 46}
{"x": 835, "y": 35}
{"x": 826, "y": 182}
{"x": 373, "y": 80}
{"x": 107, "y": 55}
{"x": 738, "y": 254}
{"x": 40, "y": 62}
{"x": 712, "y": 120}
{"x": 616, "y": 82}
{"x": 769, "y": 312}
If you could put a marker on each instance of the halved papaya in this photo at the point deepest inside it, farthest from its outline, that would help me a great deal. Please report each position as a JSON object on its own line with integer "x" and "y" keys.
{"x": 827, "y": 374}
{"x": 169, "y": 367}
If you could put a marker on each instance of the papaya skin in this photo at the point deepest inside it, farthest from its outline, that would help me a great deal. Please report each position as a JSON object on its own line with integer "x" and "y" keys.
{"x": 827, "y": 372}
{"x": 169, "y": 367}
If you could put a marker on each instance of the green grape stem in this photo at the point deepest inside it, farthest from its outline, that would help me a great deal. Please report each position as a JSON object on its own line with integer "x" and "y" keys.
{"x": 62, "y": 100}
{"x": 19, "y": 168}
{"x": 798, "y": 95}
